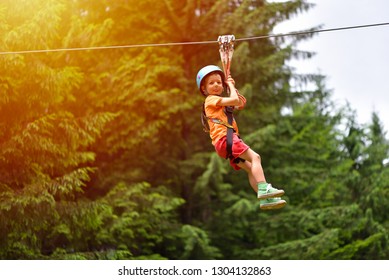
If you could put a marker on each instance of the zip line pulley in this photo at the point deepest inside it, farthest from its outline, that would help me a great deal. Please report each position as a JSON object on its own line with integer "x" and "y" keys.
{"x": 226, "y": 49}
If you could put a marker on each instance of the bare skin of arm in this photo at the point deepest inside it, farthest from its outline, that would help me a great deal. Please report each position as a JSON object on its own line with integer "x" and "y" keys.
{"x": 233, "y": 99}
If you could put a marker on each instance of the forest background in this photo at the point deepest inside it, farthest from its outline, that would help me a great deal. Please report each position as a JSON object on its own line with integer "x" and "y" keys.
{"x": 102, "y": 153}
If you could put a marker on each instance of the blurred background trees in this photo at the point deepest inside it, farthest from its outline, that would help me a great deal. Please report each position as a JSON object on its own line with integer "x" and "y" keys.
{"x": 102, "y": 154}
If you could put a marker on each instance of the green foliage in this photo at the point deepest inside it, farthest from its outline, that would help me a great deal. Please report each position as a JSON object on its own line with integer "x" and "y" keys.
{"x": 197, "y": 244}
{"x": 137, "y": 219}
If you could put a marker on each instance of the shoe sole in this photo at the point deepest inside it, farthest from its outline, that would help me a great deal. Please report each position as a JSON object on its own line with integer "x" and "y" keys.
{"x": 271, "y": 195}
{"x": 273, "y": 205}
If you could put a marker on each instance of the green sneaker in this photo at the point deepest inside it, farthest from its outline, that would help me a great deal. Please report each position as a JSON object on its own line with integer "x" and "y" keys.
{"x": 267, "y": 191}
{"x": 272, "y": 203}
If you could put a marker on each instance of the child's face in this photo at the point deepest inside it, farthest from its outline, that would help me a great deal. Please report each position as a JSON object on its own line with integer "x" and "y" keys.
{"x": 213, "y": 84}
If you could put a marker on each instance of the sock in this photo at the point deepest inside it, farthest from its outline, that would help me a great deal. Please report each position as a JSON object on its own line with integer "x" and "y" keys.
{"x": 262, "y": 186}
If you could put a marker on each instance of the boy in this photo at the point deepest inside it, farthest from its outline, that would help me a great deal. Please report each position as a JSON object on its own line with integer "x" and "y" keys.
{"x": 210, "y": 81}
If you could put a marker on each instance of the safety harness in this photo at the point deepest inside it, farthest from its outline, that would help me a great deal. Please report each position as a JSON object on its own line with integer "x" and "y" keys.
{"x": 230, "y": 129}
{"x": 226, "y": 50}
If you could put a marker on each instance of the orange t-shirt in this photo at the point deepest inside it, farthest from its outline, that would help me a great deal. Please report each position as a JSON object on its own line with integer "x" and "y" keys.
{"x": 214, "y": 110}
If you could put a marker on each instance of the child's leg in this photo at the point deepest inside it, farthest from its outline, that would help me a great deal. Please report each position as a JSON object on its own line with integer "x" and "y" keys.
{"x": 270, "y": 203}
{"x": 254, "y": 167}
{"x": 246, "y": 166}
{"x": 256, "y": 175}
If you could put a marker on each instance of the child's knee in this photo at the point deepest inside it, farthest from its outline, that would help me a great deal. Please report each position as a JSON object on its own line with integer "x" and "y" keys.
{"x": 255, "y": 155}
{"x": 258, "y": 157}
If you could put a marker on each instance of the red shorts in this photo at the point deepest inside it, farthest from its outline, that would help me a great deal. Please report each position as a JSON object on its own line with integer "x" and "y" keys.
{"x": 238, "y": 148}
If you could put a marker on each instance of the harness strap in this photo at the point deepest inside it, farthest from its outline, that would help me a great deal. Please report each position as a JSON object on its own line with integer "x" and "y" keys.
{"x": 230, "y": 130}
{"x": 217, "y": 121}
{"x": 226, "y": 50}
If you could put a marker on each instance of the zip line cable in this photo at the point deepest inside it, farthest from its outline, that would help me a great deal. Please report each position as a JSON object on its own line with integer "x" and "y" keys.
{"x": 296, "y": 33}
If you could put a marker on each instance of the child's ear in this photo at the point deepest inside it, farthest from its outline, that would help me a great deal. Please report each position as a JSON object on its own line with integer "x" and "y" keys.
{"x": 203, "y": 88}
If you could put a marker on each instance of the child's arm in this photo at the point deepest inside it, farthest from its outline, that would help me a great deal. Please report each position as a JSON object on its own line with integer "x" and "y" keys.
{"x": 242, "y": 101}
{"x": 233, "y": 99}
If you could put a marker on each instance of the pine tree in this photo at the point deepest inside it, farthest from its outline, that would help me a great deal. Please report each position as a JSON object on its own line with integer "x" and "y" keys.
{"x": 102, "y": 154}
{"x": 45, "y": 158}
